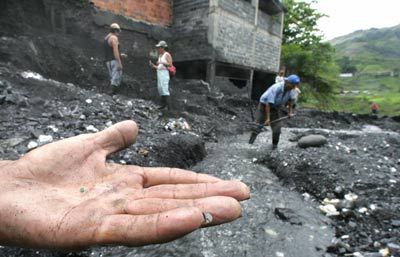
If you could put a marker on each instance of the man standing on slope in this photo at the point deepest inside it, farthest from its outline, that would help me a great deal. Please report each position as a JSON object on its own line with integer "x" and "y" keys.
{"x": 269, "y": 108}
{"x": 113, "y": 57}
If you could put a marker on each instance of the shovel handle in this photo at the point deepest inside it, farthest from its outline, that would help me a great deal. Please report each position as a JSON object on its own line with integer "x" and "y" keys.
{"x": 280, "y": 119}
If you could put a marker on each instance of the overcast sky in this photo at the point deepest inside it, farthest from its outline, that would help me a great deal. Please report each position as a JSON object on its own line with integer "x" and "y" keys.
{"x": 346, "y": 16}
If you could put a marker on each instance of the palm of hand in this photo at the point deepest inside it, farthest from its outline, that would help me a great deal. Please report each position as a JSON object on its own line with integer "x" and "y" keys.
{"x": 68, "y": 196}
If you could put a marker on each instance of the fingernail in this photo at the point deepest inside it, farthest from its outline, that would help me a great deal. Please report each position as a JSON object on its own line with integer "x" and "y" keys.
{"x": 207, "y": 218}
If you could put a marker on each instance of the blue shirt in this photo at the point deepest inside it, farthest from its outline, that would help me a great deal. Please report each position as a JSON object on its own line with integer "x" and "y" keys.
{"x": 275, "y": 95}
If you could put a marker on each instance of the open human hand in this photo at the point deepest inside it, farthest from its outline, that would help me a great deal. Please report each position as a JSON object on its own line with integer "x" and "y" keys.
{"x": 65, "y": 195}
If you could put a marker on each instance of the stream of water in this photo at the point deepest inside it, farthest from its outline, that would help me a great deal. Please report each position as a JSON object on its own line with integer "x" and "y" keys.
{"x": 260, "y": 232}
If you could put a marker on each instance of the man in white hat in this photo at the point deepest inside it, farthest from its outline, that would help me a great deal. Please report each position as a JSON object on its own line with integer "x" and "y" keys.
{"x": 113, "y": 56}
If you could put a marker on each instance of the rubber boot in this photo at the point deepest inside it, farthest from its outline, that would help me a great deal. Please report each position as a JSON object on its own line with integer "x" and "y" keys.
{"x": 275, "y": 140}
{"x": 253, "y": 138}
{"x": 163, "y": 103}
{"x": 167, "y": 102}
{"x": 114, "y": 89}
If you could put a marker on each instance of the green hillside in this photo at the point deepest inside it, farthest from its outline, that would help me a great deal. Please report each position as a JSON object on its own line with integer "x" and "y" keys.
{"x": 372, "y": 51}
{"x": 373, "y": 56}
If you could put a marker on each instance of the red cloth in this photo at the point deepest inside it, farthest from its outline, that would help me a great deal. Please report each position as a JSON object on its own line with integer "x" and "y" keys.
{"x": 374, "y": 106}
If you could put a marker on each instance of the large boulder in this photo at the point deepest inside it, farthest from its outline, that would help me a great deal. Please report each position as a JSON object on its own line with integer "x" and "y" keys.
{"x": 312, "y": 141}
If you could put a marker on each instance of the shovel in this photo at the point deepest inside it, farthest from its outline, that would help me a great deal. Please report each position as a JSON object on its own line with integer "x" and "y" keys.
{"x": 261, "y": 126}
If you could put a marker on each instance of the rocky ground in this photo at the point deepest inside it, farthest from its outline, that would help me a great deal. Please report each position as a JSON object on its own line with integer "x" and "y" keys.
{"x": 361, "y": 158}
{"x": 354, "y": 178}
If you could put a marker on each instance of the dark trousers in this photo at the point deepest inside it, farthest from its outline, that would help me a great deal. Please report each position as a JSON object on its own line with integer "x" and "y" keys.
{"x": 276, "y": 127}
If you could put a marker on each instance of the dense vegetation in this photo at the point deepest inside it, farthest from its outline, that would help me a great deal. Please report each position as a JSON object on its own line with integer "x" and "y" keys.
{"x": 372, "y": 56}
{"x": 304, "y": 53}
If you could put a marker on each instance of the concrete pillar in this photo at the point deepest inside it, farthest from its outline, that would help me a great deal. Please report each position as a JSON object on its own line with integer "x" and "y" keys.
{"x": 210, "y": 76}
{"x": 256, "y": 4}
{"x": 250, "y": 92}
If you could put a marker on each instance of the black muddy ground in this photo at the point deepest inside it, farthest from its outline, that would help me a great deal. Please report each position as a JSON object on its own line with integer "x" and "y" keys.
{"x": 362, "y": 155}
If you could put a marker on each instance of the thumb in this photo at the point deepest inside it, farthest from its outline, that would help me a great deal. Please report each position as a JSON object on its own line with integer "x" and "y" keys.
{"x": 118, "y": 136}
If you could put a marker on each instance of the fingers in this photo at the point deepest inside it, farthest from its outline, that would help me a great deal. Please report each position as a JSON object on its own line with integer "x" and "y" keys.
{"x": 149, "y": 229}
{"x": 118, "y": 136}
{"x": 234, "y": 189}
{"x": 222, "y": 209}
{"x": 159, "y": 176}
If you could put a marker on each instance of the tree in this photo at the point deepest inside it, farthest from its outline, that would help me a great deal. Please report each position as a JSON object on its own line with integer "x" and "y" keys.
{"x": 346, "y": 65}
{"x": 304, "y": 53}
{"x": 300, "y": 23}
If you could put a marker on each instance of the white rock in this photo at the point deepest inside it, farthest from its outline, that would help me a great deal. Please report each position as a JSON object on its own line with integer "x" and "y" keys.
{"x": 271, "y": 232}
{"x": 52, "y": 127}
{"x": 329, "y": 210}
{"x": 91, "y": 128}
{"x": 43, "y": 139}
{"x": 32, "y": 145}
{"x": 357, "y": 254}
{"x": 33, "y": 75}
{"x": 334, "y": 202}
{"x": 351, "y": 197}
{"x": 306, "y": 196}
{"x": 362, "y": 210}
